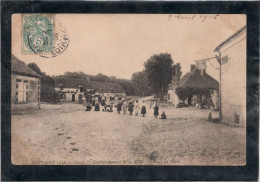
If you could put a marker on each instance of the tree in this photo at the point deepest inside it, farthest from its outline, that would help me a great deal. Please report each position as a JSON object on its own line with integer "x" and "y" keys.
{"x": 47, "y": 83}
{"x": 158, "y": 70}
{"x": 77, "y": 75}
{"x": 127, "y": 86}
{"x": 101, "y": 77}
{"x": 140, "y": 83}
{"x": 35, "y": 68}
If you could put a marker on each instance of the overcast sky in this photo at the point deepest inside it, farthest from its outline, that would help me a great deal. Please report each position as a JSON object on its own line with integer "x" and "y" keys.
{"x": 119, "y": 44}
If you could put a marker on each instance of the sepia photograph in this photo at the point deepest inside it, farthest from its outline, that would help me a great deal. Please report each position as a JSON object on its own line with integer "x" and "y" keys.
{"x": 128, "y": 89}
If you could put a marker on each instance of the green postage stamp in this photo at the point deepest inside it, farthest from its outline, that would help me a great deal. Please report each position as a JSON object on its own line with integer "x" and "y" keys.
{"x": 37, "y": 33}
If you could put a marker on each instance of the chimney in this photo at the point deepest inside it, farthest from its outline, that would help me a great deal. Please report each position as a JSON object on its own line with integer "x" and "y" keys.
{"x": 202, "y": 72}
{"x": 192, "y": 67}
{"x": 177, "y": 72}
{"x": 175, "y": 75}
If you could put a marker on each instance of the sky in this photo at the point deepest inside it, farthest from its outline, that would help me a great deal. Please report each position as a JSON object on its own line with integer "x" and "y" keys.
{"x": 119, "y": 44}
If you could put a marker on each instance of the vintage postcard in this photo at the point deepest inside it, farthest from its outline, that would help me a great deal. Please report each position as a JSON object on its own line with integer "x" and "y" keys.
{"x": 128, "y": 89}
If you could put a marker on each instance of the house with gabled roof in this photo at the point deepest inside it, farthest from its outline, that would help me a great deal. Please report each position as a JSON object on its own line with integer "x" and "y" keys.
{"x": 195, "y": 87}
{"x": 25, "y": 86}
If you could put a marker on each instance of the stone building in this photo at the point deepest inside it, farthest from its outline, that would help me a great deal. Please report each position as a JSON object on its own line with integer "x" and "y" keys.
{"x": 25, "y": 86}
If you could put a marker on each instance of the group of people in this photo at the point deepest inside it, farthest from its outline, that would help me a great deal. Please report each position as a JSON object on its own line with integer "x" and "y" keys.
{"x": 122, "y": 105}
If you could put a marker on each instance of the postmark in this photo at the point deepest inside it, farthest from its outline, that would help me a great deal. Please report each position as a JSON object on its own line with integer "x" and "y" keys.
{"x": 41, "y": 36}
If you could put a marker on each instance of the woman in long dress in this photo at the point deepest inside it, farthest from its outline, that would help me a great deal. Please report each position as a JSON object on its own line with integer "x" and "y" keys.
{"x": 156, "y": 111}
{"x": 143, "y": 110}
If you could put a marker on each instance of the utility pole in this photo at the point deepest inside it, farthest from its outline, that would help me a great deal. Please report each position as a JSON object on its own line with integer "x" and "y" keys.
{"x": 219, "y": 58}
{"x": 220, "y": 78}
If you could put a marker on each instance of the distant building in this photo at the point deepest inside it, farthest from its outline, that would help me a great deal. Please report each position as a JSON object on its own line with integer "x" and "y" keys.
{"x": 25, "y": 86}
{"x": 233, "y": 78}
{"x": 73, "y": 89}
{"x": 195, "y": 87}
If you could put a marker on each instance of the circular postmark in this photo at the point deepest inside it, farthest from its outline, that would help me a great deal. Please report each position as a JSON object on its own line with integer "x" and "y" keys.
{"x": 59, "y": 41}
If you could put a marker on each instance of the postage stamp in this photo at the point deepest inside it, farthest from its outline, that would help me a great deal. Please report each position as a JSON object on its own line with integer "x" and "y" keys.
{"x": 37, "y": 33}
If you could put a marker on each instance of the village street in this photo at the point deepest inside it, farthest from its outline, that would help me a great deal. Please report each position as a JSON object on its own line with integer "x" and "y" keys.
{"x": 66, "y": 134}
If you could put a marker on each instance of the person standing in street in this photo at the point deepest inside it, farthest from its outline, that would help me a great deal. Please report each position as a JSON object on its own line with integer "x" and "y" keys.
{"x": 143, "y": 110}
{"x": 93, "y": 101}
{"x": 119, "y": 107}
{"x": 156, "y": 111}
{"x": 124, "y": 106}
{"x": 130, "y": 107}
{"x": 136, "y": 106}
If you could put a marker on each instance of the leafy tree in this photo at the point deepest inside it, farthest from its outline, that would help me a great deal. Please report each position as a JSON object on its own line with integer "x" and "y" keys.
{"x": 140, "y": 83}
{"x": 77, "y": 75}
{"x": 47, "y": 83}
{"x": 127, "y": 86}
{"x": 35, "y": 68}
{"x": 101, "y": 77}
{"x": 158, "y": 69}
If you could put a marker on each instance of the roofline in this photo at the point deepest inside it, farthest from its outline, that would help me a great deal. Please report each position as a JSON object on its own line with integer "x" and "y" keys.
{"x": 35, "y": 75}
{"x": 231, "y": 37}
{"x": 25, "y": 74}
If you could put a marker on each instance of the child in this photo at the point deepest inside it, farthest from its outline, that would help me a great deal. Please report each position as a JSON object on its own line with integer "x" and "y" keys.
{"x": 88, "y": 107}
{"x": 163, "y": 115}
{"x": 119, "y": 107}
{"x": 130, "y": 107}
{"x": 103, "y": 101}
{"x": 111, "y": 105}
{"x": 93, "y": 101}
{"x": 97, "y": 108}
{"x": 96, "y": 100}
{"x": 136, "y": 105}
{"x": 125, "y": 106}
{"x": 143, "y": 110}
{"x": 156, "y": 111}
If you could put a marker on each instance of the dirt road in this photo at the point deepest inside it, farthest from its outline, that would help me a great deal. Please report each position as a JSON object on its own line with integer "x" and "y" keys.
{"x": 66, "y": 134}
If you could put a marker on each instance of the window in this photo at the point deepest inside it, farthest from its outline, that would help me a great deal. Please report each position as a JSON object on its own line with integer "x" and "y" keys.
{"x": 21, "y": 91}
